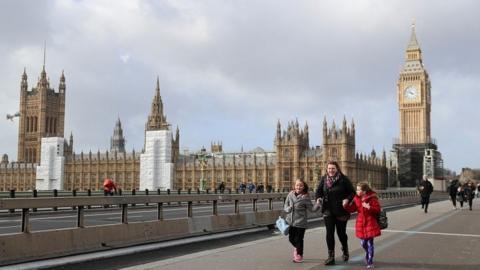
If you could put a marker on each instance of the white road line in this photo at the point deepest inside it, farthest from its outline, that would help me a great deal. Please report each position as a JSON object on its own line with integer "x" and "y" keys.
{"x": 434, "y": 233}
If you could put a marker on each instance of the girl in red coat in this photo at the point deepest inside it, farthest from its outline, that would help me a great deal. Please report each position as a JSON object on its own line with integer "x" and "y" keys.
{"x": 366, "y": 228}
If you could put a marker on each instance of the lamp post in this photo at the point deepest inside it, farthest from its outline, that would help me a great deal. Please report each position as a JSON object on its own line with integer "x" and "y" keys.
{"x": 202, "y": 158}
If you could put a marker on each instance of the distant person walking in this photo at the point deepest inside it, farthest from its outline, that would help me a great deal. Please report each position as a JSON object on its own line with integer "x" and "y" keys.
{"x": 478, "y": 190}
{"x": 470, "y": 193}
{"x": 297, "y": 203}
{"x": 425, "y": 189}
{"x": 221, "y": 187}
{"x": 242, "y": 187}
{"x": 452, "y": 190}
{"x": 366, "y": 227}
{"x": 461, "y": 195}
{"x": 336, "y": 191}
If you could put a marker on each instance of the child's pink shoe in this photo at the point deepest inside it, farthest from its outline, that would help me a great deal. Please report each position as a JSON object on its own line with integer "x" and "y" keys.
{"x": 298, "y": 259}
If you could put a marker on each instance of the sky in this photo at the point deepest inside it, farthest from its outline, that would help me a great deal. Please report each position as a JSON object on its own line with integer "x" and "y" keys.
{"x": 229, "y": 70}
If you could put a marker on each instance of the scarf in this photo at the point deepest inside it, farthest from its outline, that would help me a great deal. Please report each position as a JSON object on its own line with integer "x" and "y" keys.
{"x": 332, "y": 179}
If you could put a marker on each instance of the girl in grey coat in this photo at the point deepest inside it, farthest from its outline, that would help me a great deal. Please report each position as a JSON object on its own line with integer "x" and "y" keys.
{"x": 297, "y": 203}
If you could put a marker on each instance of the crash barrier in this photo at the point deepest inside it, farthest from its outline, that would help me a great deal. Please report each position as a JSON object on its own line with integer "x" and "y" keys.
{"x": 27, "y": 245}
{"x": 12, "y": 193}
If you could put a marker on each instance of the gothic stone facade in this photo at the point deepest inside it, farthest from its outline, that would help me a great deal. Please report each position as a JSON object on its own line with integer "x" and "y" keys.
{"x": 293, "y": 159}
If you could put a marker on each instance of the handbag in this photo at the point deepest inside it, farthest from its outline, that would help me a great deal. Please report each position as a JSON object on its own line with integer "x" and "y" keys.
{"x": 382, "y": 219}
{"x": 282, "y": 225}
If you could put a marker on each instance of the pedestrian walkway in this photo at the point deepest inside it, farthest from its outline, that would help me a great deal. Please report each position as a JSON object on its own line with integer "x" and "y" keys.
{"x": 440, "y": 239}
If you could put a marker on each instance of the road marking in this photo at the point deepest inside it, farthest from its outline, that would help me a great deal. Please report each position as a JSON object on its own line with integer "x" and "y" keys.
{"x": 434, "y": 233}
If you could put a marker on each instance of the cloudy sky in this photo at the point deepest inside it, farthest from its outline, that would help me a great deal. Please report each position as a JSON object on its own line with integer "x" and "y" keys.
{"x": 229, "y": 70}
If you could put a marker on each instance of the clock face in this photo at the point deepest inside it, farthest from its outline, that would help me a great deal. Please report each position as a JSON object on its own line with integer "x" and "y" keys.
{"x": 411, "y": 93}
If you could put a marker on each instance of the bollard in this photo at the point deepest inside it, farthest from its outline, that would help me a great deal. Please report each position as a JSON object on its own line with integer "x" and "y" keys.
{"x": 158, "y": 191}
{"x": 146, "y": 193}
{"x": 134, "y": 192}
{"x": 179, "y": 191}
{"x": 35, "y": 195}
{"x": 55, "y": 194}
{"x": 168, "y": 193}
{"x": 12, "y": 195}
{"x": 74, "y": 194}
{"x": 89, "y": 193}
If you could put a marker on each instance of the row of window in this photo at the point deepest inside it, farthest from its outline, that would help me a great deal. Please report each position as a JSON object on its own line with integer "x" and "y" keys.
{"x": 32, "y": 124}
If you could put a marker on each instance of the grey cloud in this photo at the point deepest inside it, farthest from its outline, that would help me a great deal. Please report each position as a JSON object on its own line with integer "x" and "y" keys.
{"x": 229, "y": 71}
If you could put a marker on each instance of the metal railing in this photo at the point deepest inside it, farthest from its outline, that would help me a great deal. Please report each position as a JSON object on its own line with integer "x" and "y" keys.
{"x": 80, "y": 203}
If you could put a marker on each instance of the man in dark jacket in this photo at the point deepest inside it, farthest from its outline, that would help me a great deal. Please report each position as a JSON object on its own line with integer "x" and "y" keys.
{"x": 452, "y": 190}
{"x": 425, "y": 189}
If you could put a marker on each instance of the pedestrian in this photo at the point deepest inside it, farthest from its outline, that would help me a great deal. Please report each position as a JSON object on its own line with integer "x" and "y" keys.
{"x": 452, "y": 190}
{"x": 470, "y": 193}
{"x": 335, "y": 190}
{"x": 260, "y": 188}
{"x": 251, "y": 187}
{"x": 221, "y": 187}
{"x": 109, "y": 187}
{"x": 297, "y": 203}
{"x": 242, "y": 187}
{"x": 478, "y": 190}
{"x": 425, "y": 188}
{"x": 366, "y": 227}
{"x": 461, "y": 195}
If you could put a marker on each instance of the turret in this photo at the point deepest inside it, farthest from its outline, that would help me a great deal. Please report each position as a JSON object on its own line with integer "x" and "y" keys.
{"x": 279, "y": 131}
{"x": 24, "y": 83}
{"x": 62, "y": 86}
{"x": 117, "y": 141}
{"x": 325, "y": 129}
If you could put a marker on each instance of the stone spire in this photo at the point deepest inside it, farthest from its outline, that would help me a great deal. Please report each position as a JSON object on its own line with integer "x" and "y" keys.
{"x": 62, "y": 86}
{"x": 413, "y": 54}
{"x": 43, "y": 81}
{"x": 413, "y": 44}
{"x": 24, "y": 83}
{"x": 117, "y": 142}
{"x": 157, "y": 120}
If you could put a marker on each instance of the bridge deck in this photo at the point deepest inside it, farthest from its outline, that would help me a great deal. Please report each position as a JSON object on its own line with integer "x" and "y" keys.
{"x": 441, "y": 239}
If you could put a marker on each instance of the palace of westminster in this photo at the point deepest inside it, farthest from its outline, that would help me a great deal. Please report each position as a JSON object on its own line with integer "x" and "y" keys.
{"x": 42, "y": 114}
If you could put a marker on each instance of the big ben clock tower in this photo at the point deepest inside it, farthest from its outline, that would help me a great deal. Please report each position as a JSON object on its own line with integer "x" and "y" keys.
{"x": 415, "y": 146}
{"x": 413, "y": 92}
